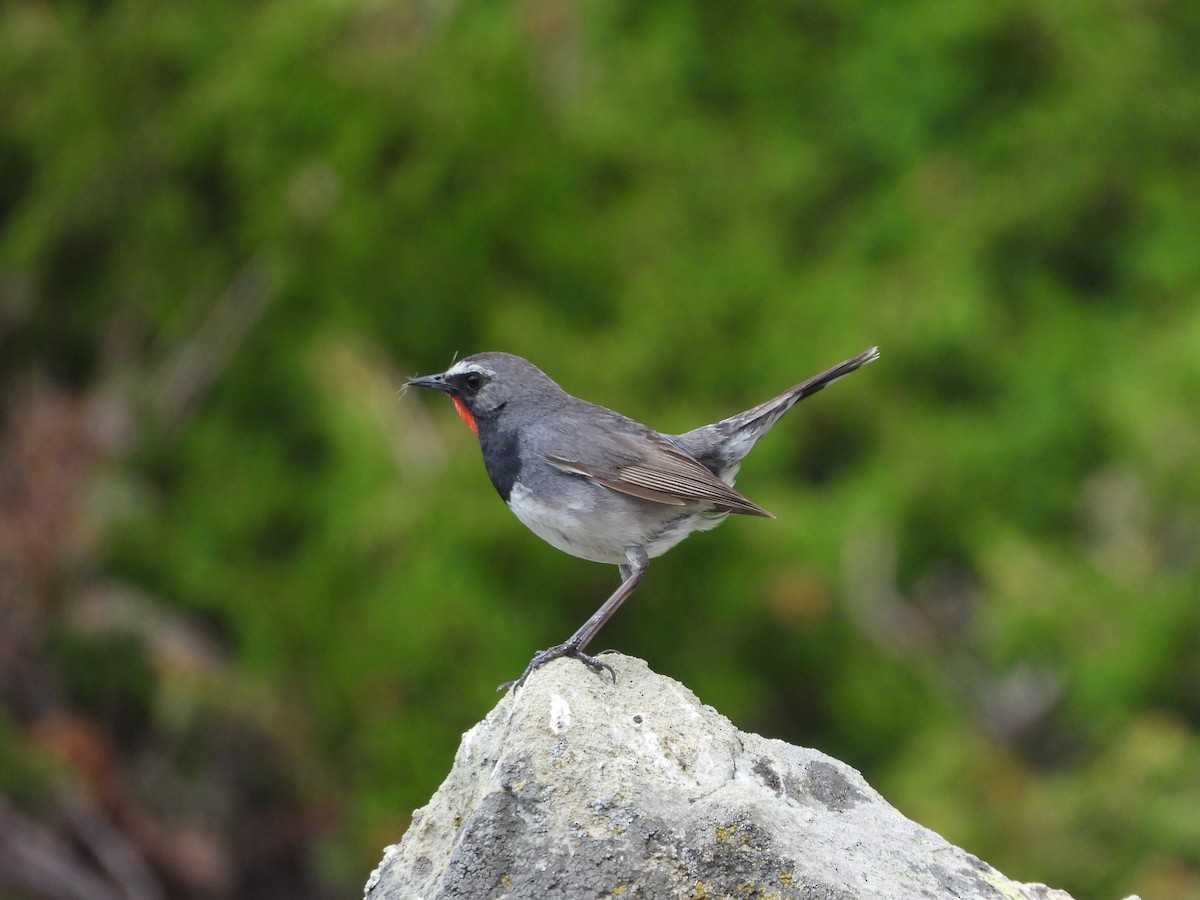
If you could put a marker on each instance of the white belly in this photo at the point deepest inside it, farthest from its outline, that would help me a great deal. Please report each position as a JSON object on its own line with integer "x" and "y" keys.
{"x": 598, "y": 525}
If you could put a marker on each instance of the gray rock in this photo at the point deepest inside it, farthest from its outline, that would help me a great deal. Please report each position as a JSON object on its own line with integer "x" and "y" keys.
{"x": 578, "y": 788}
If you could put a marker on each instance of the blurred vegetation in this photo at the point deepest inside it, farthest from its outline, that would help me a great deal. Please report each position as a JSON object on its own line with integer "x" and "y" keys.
{"x": 250, "y": 597}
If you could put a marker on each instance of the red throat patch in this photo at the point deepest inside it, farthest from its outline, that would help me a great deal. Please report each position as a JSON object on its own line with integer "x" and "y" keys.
{"x": 465, "y": 414}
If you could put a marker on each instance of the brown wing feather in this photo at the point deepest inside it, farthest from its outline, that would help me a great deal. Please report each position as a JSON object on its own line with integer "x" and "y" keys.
{"x": 663, "y": 473}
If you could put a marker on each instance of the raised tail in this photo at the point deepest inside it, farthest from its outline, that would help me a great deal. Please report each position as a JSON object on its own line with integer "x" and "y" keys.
{"x": 723, "y": 445}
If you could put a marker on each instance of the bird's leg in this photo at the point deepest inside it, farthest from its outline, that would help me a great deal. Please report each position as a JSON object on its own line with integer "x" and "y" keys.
{"x": 631, "y": 576}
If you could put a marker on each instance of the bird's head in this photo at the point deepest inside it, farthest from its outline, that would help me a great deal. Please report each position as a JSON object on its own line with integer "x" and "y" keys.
{"x": 484, "y": 384}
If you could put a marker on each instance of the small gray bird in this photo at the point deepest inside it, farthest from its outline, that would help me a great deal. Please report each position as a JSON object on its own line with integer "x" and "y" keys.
{"x": 598, "y": 485}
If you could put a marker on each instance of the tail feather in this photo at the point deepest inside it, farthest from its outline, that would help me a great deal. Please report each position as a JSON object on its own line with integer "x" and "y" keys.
{"x": 722, "y": 445}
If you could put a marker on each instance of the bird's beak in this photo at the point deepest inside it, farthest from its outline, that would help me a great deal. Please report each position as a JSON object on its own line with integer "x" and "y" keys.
{"x": 437, "y": 382}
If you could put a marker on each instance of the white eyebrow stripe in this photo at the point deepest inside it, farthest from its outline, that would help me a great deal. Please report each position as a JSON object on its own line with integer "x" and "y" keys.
{"x": 462, "y": 366}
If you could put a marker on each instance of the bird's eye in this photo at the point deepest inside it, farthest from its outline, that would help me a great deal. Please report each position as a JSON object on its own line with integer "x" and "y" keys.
{"x": 473, "y": 381}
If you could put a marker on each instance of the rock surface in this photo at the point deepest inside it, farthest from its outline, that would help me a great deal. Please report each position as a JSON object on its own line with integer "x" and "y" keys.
{"x": 578, "y": 788}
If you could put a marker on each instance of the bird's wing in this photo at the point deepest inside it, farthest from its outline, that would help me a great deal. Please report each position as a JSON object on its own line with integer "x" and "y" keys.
{"x": 652, "y": 468}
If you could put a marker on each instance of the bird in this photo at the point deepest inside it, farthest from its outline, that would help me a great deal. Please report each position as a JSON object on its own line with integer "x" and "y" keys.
{"x": 599, "y": 485}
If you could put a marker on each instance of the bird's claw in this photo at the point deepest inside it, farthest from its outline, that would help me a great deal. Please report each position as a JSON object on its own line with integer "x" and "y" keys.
{"x": 552, "y": 653}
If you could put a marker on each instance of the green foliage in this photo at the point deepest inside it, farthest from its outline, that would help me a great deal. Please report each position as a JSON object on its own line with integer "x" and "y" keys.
{"x": 244, "y": 224}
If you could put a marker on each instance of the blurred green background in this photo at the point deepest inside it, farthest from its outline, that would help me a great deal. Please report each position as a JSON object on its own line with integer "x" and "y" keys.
{"x": 250, "y": 596}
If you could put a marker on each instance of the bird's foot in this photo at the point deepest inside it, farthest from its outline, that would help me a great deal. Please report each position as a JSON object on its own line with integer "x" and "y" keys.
{"x": 552, "y": 653}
